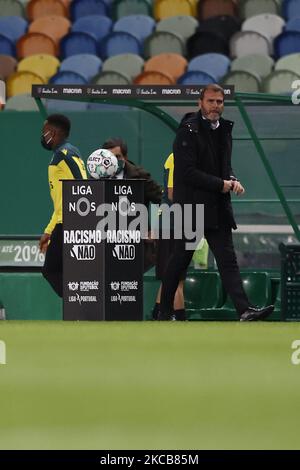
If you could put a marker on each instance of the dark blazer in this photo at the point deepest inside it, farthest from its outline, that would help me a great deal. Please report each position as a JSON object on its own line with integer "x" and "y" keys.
{"x": 197, "y": 178}
{"x": 153, "y": 191}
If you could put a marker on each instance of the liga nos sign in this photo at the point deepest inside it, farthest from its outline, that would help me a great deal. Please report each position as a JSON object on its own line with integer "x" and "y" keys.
{"x": 102, "y": 253}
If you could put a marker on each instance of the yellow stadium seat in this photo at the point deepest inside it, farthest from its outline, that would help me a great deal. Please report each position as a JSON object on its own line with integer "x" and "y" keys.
{"x": 43, "y": 65}
{"x": 172, "y": 64}
{"x": 21, "y": 82}
{"x": 53, "y": 26}
{"x": 166, "y": 8}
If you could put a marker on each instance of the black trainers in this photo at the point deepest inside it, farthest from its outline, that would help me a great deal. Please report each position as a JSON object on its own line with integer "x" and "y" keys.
{"x": 166, "y": 316}
{"x": 256, "y": 314}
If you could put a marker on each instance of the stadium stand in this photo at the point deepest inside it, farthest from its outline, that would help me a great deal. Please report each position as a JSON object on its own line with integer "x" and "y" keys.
{"x": 44, "y": 65}
{"x": 166, "y": 8}
{"x": 280, "y": 82}
{"x": 249, "y": 42}
{"x": 77, "y": 43}
{"x": 160, "y": 42}
{"x": 154, "y": 78}
{"x": 203, "y": 42}
{"x": 140, "y": 26}
{"x": 131, "y": 7}
{"x": 261, "y": 65}
{"x": 214, "y": 64}
{"x": 195, "y": 78}
{"x": 119, "y": 43}
{"x": 43, "y": 8}
{"x": 96, "y": 25}
{"x": 109, "y": 77}
{"x": 53, "y": 26}
{"x": 243, "y": 81}
{"x": 87, "y": 65}
{"x": 182, "y": 25}
{"x": 21, "y": 82}
{"x": 172, "y": 64}
{"x": 35, "y": 43}
{"x": 130, "y": 64}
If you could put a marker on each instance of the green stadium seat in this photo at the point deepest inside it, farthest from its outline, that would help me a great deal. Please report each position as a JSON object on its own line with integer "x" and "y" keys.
{"x": 261, "y": 65}
{"x": 129, "y": 64}
{"x": 11, "y": 8}
{"x": 131, "y": 7}
{"x": 183, "y": 25}
{"x": 280, "y": 81}
{"x": 249, "y": 8}
{"x": 203, "y": 290}
{"x": 289, "y": 62}
{"x": 161, "y": 41}
{"x": 151, "y": 286}
{"x": 111, "y": 78}
{"x": 243, "y": 81}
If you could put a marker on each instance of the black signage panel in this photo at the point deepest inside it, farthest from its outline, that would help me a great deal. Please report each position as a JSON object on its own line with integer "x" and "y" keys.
{"x": 142, "y": 92}
{"x": 103, "y": 257}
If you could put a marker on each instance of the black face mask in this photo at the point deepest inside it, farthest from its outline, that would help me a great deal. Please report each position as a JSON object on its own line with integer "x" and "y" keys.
{"x": 45, "y": 144}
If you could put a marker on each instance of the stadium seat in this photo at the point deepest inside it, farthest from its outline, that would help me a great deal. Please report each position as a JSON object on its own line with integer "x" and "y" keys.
{"x": 22, "y": 102}
{"x": 206, "y": 42}
{"x": 286, "y": 43}
{"x": 96, "y": 25}
{"x": 13, "y": 27}
{"x": 261, "y": 65}
{"x": 79, "y": 8}
{"x": 293, "y": 24}
{"x": 21, "y": 82}
{"x": 165, "y": 8}
{"x": 129, "y": 64}
{"x": 111, "y": 78}
{"x": 203, "y": 290}
{"x": 243, "y": 81}
{"x": 289, "y": 62}
{"x": 224, "y": 26}
{"x": 249, "y": 42}
{"x": 8, "y": 65}
{"x": 44, "y": 65}
{"x": 195, "y": 78}
{"x": 172, "y": 64}
{"x": 11, "y": 8}
{"x": 119, "y": 43}
{"x": 280, "y": 82}
{"x": 151, "y": 286}
{"x": 267, "y": 24}
{"x": 153, "y": 78}
{"x": 53, "y": 26}
{"x": 216, "y": 65}
{"x": 7, "y": 46}
{"x": 182, "y": 25}
{"x": 160, "y": 42}
{"x": 35, "y": 43}
{"x": 140, "y": 26}
{"x": 248, "y": 8}
{"x": 39, "y": 8}
{"x": 68, "y": 78}
{"x": 210, "y": 8}
{"x": 87, "y": 65}
{"x": 77, "y": 43}
{"x": 131, "y": 7}
{"x": 290, "y": 9}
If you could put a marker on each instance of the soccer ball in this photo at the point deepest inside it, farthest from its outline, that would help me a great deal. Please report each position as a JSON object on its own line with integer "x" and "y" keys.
{"x": 102, "y": 163}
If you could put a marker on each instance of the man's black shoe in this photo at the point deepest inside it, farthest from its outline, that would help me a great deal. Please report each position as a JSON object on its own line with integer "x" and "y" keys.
{"x": 255, "y": 314}
{"x": 166, "y": 316}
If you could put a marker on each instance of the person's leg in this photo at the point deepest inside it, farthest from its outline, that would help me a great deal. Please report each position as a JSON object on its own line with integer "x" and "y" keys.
{"x": 52, "y": 269}
{"x": 221, "y": 244}
{"x": 178, "y": 263}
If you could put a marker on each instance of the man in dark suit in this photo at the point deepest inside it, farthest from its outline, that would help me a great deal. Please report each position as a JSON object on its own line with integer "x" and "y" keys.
{"x": 203, "y": 175}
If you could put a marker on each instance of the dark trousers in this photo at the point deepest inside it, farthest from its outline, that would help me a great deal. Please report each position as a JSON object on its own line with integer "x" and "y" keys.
{"x": 53, "y": 266}
{"x": 221, "y": 244}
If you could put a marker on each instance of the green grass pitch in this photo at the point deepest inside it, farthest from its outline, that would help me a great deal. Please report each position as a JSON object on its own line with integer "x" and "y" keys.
{"x": 149, "y": 385}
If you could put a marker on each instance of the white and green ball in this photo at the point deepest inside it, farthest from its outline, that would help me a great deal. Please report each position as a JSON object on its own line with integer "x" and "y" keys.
{"x": 102, "y": 163}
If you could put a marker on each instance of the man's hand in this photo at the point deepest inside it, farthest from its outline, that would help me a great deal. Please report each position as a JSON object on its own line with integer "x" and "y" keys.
{"x": 237, "y": 188}
{"x": 44, "y": 241}
{"x": 227, "y": 186}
